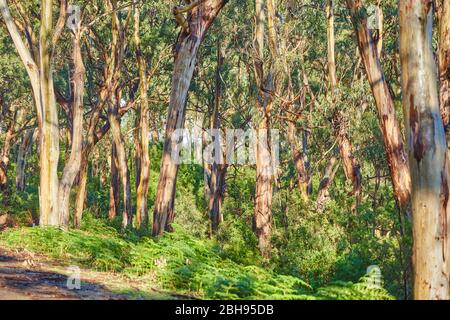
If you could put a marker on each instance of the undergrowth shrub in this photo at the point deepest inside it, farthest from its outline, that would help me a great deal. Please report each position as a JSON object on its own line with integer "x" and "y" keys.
{"x": 177, "y": 261}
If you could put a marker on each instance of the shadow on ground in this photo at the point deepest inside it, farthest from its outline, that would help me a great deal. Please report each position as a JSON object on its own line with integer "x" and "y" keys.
{"x": 19, "y": 281}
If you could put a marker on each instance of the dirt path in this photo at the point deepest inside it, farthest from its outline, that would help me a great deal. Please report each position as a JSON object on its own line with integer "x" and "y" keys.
{"x": 23, "y": 276}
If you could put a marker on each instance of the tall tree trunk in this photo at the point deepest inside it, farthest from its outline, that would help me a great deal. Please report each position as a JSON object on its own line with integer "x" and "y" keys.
{"x": 114, "y": 122}
{"x": 114, "y": 196}
{"x": 350, "y": 163}
{"x": 392, "y": 137}
{"x": 72, "y": 167}
{"x": 217, "y": 170}
{"x": 199, "y": 20}
{"x": 427, "y": 153}
{"x": 330, "y": 46}
{"x": 93, "y": 137}
{"x": 41, "y": 78}
{"x": 444, "y": 62}
{"x": 144, "y": 168}
{"x": 24, "y": 150}
{"x": 262, "y": 216}
{"x": 49, "y": 125}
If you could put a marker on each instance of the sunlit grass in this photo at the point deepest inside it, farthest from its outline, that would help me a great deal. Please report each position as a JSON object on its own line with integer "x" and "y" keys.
{"x": 176, "y": 262}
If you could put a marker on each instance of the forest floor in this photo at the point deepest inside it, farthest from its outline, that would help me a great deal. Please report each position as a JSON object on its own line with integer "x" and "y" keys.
{"x": 27, "y": 276}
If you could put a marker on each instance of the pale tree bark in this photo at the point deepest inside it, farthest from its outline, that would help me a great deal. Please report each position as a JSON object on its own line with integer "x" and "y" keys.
{"x": 41, "y": 77}
{"x": 392, "y": 137}
{"x": 262, "y": 216}
{"x": 144, "y": 161}
{"x": 199, "y": 19}
{"x": 330, "y": 46}
{"x": 72, "y": 166}
{"x": 379, "y": 39}
{"x": 444, "y": 62}
{"x": 24, "y": 149}
{"x": 427, "y": 153}
{"x": 49, "y": 126}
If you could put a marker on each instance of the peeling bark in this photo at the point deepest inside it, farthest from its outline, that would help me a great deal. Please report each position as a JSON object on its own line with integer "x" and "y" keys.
{"x": 262, "y": 217}
{"x": 72, "y": 167}
{"x": 444, "y": 62}
{"x": 199, "y": 19}
{"x": 330, "y": 46}
{"x": 265, "y": 177}
{"x": 428, "y": 157}
{"x": 41, "y": 78}
{"x": 49, "y": 125}
{"x": 392, "y": 137}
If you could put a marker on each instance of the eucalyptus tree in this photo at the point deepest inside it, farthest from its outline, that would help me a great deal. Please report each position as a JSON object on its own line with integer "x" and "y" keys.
{"x": 38, "y": 60}
{"x": 427, "y": 151}
{"x": 392, "y": 136}
{"x": 350, "y": 163}
{"x": 200, "y": 15}
{"x": 443, "y": 14}
{"x": 142, "y": 177}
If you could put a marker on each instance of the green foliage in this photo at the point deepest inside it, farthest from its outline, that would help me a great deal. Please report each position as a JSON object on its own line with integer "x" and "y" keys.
{"x": 310, "y": 242}
{"x": 175, "y": 261}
